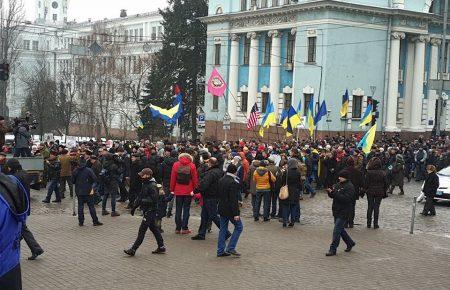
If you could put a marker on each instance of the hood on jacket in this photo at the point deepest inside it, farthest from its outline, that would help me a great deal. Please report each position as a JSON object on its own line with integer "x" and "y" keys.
{"x": 261, "y": 171}
{"x": 185, "y": 158}
{"x": 16, "y": 198}
{"x": 242, "y": 155}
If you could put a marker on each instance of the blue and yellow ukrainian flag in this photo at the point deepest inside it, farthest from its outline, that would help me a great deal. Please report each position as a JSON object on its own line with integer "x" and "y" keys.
{"x": 367, "y": 141}
{"x": 345, "y": 102}
{"x": 268, "y": 119}
{"x": 367, "y": 118}
{"x": 169, "y": 115}
{"x": 310, "y": 117}
{"x": 291, "y": 116}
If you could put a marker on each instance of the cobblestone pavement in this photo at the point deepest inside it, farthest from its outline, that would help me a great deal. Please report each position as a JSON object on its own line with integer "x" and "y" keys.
{"x": 273, "y": 257}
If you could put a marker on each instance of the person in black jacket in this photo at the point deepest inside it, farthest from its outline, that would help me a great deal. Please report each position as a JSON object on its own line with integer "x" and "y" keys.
{"x": 375, "y": 187}
{"x": 343, "y": 195}
{"x": 291, "y": 206}
{"x": 229, "y": 212}
{"x": 430, "y": 188}
{"x": 135, "y": 182}
{"x": 84, "y": 178}
{"x": 111, "y": 176}
{"x": 170, "y": 157}
{"x": 208, "y": 188}
{"x": 124, "y": 169}
{"x": 13, "y": 167}
{"x": 147, "y": 200}
{"x": 53, "y": 171}
{"x": 356, "y": 178}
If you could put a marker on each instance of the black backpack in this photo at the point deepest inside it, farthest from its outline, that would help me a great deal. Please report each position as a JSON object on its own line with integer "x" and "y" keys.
{"x": 184, "y": 174}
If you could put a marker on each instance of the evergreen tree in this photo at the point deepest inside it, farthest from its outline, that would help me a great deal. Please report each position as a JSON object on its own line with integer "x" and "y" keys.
{"x": 181, "y": 61}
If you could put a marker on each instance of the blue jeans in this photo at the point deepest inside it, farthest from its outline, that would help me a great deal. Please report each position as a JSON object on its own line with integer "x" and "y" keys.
{"x": 291, "y": 210}
{"x": 89, "y": 200}
{"x": 274, "y": 199}
{"x": 208, "y": 214}
{"x": 182, "y": 207}
{"x": 53, "y": 187}
{"x": 221, "y": 243}
{"x": 113, "y": 200}
{"x": 309, "y": 187}
{"x": 338, "y": 233}
{"x": 259, "y": 197}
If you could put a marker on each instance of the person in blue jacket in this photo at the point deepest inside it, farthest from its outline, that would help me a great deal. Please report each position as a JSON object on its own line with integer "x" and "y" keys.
{"x": 14, "y": 205}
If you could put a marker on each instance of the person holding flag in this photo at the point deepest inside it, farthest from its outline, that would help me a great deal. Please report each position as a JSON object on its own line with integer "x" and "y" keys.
{"x": 310, "y": 117}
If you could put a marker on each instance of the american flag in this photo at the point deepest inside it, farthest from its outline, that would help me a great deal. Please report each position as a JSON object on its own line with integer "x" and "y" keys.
{"x": 254, "y": 116}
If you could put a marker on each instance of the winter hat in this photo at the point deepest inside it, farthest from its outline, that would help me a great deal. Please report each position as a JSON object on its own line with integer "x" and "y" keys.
{"x": 146, "y": 171}
{"x": 344, "y": 174}
{"x": 350, "y": 162}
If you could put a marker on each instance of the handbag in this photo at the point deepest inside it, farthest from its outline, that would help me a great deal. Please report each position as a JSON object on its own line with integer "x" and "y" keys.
{"x": 284, "y": 192}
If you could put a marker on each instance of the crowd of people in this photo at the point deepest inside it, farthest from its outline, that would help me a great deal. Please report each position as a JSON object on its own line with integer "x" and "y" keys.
{"x": 152, "y": 178}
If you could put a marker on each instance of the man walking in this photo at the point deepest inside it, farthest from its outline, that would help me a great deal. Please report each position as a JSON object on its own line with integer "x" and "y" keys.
{"x": 84, "y": 179}
{"x": 53, "y": 173}
{"x": 342, "y": 194}
{"x": 229, "y": 212}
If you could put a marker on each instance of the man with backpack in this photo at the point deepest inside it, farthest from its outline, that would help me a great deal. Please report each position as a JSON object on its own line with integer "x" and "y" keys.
{"x": 183, "y": 181}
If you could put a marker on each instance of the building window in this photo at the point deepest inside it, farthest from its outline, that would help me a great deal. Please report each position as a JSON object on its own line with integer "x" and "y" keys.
{"x": 446, "y": 57}
{"x": 55, "y": 17}
{"x": 141, "y": 34}
{"x": 287, "y": 2}
{"x": 153, "y": 33}
{"x": 312, "y": 49}
{"x": 274, "y": 3}
{"x": 253, "y": 3}
{"x": 357, "y": 107}
{"x": 246, "y": 51}
{"x": 215, "y": 103}
{"x": 263, "y": 3}
{"x": 287, "y": 101}
{"x": 35, "y": 45}
{"x": 217, "y": 54}
{"x": 126, "y": 36}
{"x": 136, "y": 35}
{"x": 160, "y": 32}
{"x": 219, "y": 10}
{"x": 267, "y": 50}
{"x": 290, "y": 48}
{"x": 243, "y": 5}
{"x": 26, "y": 44}
{"x": 307, "y": 100}
{"x": 264, "y": 102}
{"x": 244, "y": 101}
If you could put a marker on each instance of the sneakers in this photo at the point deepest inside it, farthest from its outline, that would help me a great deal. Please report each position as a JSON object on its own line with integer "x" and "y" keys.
{"x": 115, "y": 213}
{"x": 349, "y": 248}
{"x": 159, "y": 250}
{"x": 291, "y": 225}
{"x": 35, "y": 255}
{"x": 234, "y": 253}
{"x": 186, "y": 232}
{"x": 98, "y": 224}
{"x": 130, "y": 252}
{"x": 105, "y": 212}
{"x": 198, "y": 238}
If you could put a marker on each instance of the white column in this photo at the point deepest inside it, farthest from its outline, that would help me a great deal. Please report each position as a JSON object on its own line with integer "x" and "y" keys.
{"x": 407, "y": 96}
{"x": 432, "y": 96}
{"x": 253, "y": 70}
{"x": 417, "y": 90}
{"x": 394, "y": 64}
{"x": 233, "y": 77}
{"x": 275, "y": 63}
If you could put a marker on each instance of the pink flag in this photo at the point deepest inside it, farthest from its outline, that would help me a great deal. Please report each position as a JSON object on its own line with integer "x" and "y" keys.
{"x": 216, "y": 84}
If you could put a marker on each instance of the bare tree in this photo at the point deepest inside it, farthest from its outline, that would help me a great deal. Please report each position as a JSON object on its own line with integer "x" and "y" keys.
{"x": 66, "y": 102}
{"x": 11, "y": 18}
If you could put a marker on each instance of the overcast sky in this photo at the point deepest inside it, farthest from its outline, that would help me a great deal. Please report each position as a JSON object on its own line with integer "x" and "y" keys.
{"x": 98, "y": 9}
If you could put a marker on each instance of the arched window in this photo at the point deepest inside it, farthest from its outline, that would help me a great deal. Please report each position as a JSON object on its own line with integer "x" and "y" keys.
{"x": 219, "y": 10}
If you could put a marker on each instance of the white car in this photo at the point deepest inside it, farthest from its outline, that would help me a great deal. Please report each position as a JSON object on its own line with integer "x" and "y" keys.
{"x": 443, "y": 192}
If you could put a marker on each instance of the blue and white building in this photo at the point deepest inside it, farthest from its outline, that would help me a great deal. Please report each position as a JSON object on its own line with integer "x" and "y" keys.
{"x": 298, "y": 51}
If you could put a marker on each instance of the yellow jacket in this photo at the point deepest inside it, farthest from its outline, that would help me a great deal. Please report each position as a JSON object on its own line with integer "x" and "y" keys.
{"x": 261, "y": 178}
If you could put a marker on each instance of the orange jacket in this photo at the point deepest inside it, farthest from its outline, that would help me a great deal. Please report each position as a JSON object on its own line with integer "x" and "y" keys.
{"x": 261, "y": 178}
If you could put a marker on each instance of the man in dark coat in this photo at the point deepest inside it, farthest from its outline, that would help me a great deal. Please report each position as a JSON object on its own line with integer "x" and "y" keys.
{"x": 229, "y": 212}
{"x": 170, "y": 157}
{"x": 84, "y": 179}
{"x": 53, "y": 169}
{"x": 134, "y": 179}
{"x": 430, "y": 188}
{"x": 110, "y": 175}
{"x": 356, "y": 178}
{"x": 13, "y": 167}
{"x": 208, "y": 188}
{"x": 343, "y": 195}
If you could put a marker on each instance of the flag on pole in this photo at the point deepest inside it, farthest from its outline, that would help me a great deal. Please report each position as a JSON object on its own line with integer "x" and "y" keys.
{"x": 178, "y": 100}
{"x": 322, "y": 112}
{"x": 310, "y": 117}
{"x": 292, "y": 117}
{"x": 289, "y": 129}
{"x": 299, "y": 107}
{"x": 140, "y": 124}
{"x": 367, "y": 141}
{"x": 283, "y": 117}
{"x": 367, "y": 118}
{"x": 268, "y": 119}
{"x": 253, "y": 118}
{"x": 345, "y": 102}
{"x": 216, "y": 84}
{"x": 168, "y": 115}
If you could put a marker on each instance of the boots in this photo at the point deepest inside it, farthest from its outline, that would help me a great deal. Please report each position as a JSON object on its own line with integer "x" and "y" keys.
{"x": 130, "y": 252}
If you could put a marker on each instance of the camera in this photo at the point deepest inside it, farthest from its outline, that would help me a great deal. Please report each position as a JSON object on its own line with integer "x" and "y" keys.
{"x": 25, "y": 122}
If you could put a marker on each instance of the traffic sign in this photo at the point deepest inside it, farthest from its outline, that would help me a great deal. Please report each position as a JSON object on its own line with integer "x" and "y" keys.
{"x": 226, "y": 121}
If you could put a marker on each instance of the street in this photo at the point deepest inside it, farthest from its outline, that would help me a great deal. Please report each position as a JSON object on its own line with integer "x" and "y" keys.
{"x": 272, "y": 257}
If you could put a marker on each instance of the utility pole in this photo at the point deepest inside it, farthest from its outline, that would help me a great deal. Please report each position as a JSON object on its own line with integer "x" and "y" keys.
{"x": 3, "y": 107}
{"x": 442, "y": 69}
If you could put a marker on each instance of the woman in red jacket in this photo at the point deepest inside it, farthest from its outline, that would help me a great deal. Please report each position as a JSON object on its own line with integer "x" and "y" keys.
{"x": 183, "y": 181}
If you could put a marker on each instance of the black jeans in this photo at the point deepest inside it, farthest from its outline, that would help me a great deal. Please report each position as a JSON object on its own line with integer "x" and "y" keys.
{"x": 27, "y": 235}
{"x": 62, "y": 185}
{"x": 148, "y": 222}
{"x": 89, "y": 199}
{"x": 12, "y": 280}
{"x": 208, "y": 215}
{"x": 351, "y": 217}
{"x": 182, "y": 211}
{"x": 428, "y": 208}
{"x": 123, "y": 191}
{"x": 373, "y": 208}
